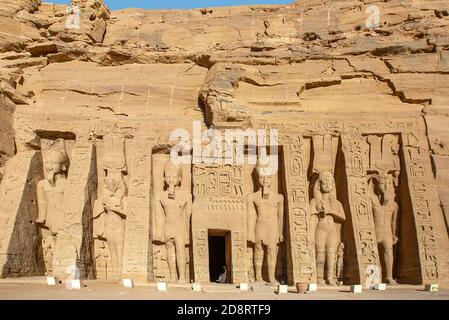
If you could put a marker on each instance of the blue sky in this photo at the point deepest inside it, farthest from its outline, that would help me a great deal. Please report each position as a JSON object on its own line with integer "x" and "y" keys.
{"x": 178, "y": 4}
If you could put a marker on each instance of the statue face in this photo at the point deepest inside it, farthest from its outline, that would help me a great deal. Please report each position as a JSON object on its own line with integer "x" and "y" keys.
{"x": 172, "y": 179}
{"x": 265, "y": 181}
{"x": 327, "y": 183}
{"x": 54, "y": 164}
{"x": 385, "y": 185}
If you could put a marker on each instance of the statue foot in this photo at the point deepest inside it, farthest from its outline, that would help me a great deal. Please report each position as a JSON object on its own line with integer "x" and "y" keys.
{"x": 321, "y": 282}
{"x": 391, "y": 281}
{"x": 182, "y": 281}
{"x": 273, "y": 283}
{"x": 332, "y": 282}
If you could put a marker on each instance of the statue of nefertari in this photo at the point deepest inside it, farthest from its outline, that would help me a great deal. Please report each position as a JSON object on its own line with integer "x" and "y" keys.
{"x": 327, "y": 215}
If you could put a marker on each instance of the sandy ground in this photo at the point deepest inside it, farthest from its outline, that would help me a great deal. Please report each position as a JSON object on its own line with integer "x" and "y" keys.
{"x": 37, "y": 289}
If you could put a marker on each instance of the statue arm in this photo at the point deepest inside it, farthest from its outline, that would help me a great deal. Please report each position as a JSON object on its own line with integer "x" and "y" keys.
{"x": 41, "y": 203}
{"x": 98, "y": 208}
{"x": 121, "y": 210}
{"x": 98, "y": 217}
{"x": 313, "y": 208}
{"x": 313, "y": 219}
{"x": 394, "y": 224}
{"x": 339, "y": 214}
{"x": 159, "y": 220}
{"x": 281, "y": 217}
{"x": 188, "y": 216}
{"x": 252, "y": 217}
{"x": 372, "y": 195}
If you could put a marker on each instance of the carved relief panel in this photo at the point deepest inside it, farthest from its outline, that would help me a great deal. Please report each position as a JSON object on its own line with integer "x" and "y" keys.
{"x": 219, "y": 206}
{"x": 300, "y": 236}
{"x": 417, "y": 166}
{"x": 356, "y": 151}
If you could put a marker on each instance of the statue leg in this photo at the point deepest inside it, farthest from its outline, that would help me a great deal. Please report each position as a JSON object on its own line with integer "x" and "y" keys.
{"x": 320, "y": 254}
{"x": 171, "y": 259}
{"x": 181, "y": 260}
{"x": 388, "y": 256}
{"x": 112, "y": 236}
{"x": 113, "y": 251}
{"x": 48, "y": 245}
{"x": 331, "y": 249}
{"x": 272, "y": 252}
{"x": 258, "y": 260}
{"x": 120, "y": 238}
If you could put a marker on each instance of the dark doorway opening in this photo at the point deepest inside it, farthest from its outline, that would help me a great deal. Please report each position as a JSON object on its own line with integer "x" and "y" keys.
{"x": 219, "y": 256}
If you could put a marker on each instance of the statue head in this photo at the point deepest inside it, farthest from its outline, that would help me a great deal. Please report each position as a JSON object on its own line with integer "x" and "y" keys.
{"x": 56, "y": 163}
{"x": 265, "y": 177}
{"x": 326, "y": 182}
{"x": 172, "y": 177}
{"x": 385, "y": 183}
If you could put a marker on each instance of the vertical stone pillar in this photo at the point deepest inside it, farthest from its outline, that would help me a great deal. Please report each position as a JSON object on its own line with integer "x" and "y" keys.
{"x": 200, "y": 254}
{"x": 74, "y": 243}
{"x": 417, "y": 167}
{"x": 360, "y": 205}
{"x": 239, "y": 270}
{"x": 20, "y": 250}
{"x": 300, "y": 243}
{"x": 137, "y": 252}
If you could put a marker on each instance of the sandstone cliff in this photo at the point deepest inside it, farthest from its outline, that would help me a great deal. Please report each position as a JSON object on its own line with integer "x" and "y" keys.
{"x": 237, "y": 64}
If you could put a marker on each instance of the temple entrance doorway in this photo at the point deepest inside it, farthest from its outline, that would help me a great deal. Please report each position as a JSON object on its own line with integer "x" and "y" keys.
{"x": 220, "y": 256}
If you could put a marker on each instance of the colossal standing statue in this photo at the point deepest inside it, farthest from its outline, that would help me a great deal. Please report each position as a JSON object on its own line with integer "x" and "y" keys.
{"x": 385, "y": 211}
{"x": 110, "y": 210}
{"x": 326, "y": 215}
{"x": 172, "y": 220}
{"x": 50, "y": 193}
{"x": 265, "y": 222}
{"x": 113, "y": 208}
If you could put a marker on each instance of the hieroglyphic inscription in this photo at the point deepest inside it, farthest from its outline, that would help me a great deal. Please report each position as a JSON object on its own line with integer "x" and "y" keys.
{"x": 219, "y": 204}
{"x": 302, "y": 249}
{"x": 238, "y": 257}
{"x": 223, "y": 181}
{"x": 310, "y": 125}
{"x": 136, "y": 261}
{"x": 355, "y": 156}
{"x": 201, "y": 255}
{"x": 417, "y": 162}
